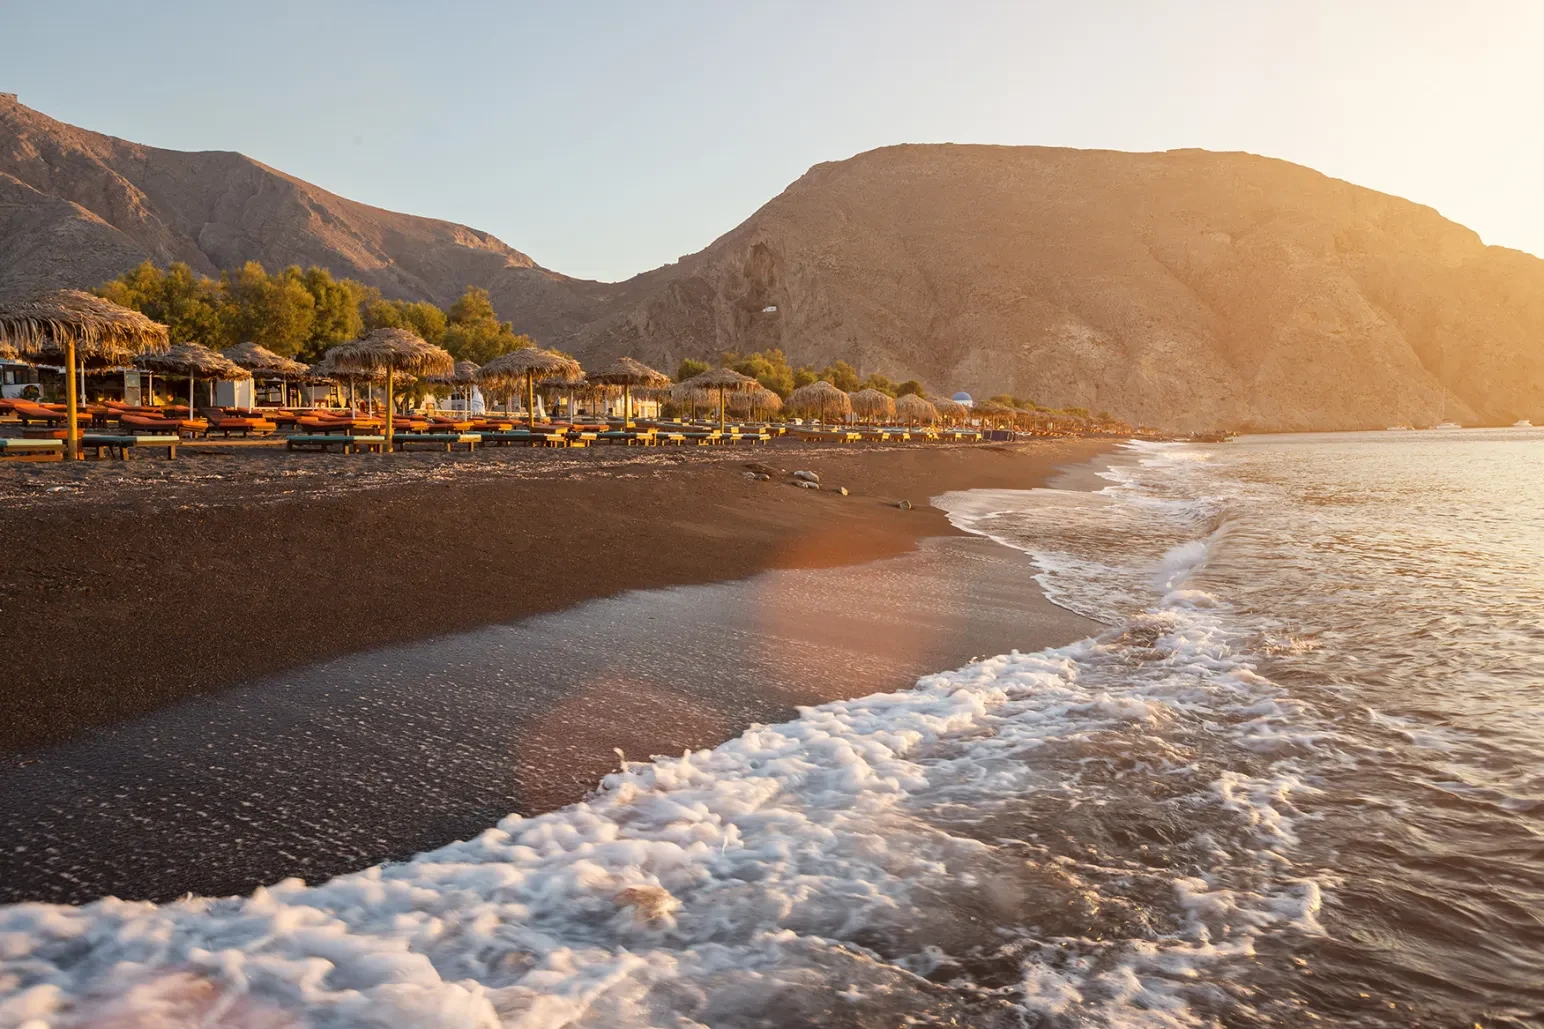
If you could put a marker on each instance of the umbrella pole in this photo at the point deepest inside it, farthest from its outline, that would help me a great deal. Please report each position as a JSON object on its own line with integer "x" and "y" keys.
{"x": 192, "y": 380}
{"x": 530, "y": 398}
{"x": 73, "y": 425}
{"x": 389, "y": 406}
{"x": 627, "y": 406}
{"x": 721, "y": 410}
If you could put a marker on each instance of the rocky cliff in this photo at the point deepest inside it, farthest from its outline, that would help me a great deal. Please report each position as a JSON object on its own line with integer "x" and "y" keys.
{"x": 1186, "y": 288}
{"x": 78, "y": 207}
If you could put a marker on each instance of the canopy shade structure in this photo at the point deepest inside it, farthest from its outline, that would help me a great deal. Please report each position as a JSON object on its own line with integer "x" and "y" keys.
{"x": 465, "y": 374}
{"x": 873, "y": 404}
{"x": 819, "y": 398}
{"x": 265, "y": 364}
{"x": 629, "y": 374}
{"x": 78, "y": 326}
{"x": 7, "y": 352}
{"x": 391, "y": 351}
{"x": 991, "y": 411}
{"x": 721, "y": 381}
{"x": 755, "y": 403}
{"x": 527, "y": 365}
{"x": 196, "y": 362}
{"x": 913, "y": 410}
{"x": 948, "y": 410}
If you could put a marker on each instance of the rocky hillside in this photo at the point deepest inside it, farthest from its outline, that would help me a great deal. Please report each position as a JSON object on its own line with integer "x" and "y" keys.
{"x": 78, "y": 207}
{"x": 1183, "y": 288}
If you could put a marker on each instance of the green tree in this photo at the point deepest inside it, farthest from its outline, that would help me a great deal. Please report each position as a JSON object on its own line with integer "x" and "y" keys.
{"x": 336, "y": 311}
{"x": 690, "y": 367}
{"x": 186, "y": 303}
{"x": 804, "y": 376}
{"x": 842, "y": 375}
{"x": 1005, "y": 399}
{"x": 768, "y": 367}
{"x": 910, "y": 387}
{"x": 881, "y": 383}
{"x": 276, "y": 312}
{"x": 473, "y": 331}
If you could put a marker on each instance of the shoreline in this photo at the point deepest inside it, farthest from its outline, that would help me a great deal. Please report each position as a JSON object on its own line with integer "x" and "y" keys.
{"x": 184, "y": 579}
{"x": 387, "y": 752}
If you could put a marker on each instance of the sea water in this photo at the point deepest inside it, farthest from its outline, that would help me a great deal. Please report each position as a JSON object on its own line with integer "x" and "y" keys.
{"x": 1298, "y": 780}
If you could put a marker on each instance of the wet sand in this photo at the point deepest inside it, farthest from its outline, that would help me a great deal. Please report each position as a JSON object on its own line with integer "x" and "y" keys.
{"x": 380, "y": 755}
{"x": 131, "y": 586}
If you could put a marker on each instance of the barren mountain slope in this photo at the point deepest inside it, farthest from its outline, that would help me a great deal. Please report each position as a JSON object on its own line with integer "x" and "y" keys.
{"x": 1182, "y": 288}
{"x": 218, "y": 210}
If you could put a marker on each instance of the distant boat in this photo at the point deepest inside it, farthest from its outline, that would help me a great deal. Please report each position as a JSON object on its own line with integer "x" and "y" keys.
{"x": 1447, "y": 425}
{"x": 1398, "y": 428}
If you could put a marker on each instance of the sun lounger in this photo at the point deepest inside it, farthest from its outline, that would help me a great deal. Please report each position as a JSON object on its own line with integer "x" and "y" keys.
{"x": 122, "y": 446}
{"x": 29, "y": 412}
{"x": 349, "y": 443}
{"x": 448, "y": 440}
{"x": 247, "y": 425}
{"x": 162, "y": 426}
{"x": 520, "y": 437}
{"x": 31, "y": 450}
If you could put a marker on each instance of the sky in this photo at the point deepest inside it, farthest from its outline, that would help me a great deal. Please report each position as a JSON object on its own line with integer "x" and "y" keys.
{"x": 605, "y": 139}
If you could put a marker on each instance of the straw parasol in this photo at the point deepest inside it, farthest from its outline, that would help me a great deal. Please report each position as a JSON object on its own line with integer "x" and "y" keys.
{"x": 7, "y": 352}
{"x": 820, "y": 397}
{"x": 196, "y": 362}
{"x": 692, "y": 396}
{"x": 913, "y": 410}
{"x": 991, "y": 411}
{"x": 464, "y": 374}
{"x": 530, "y": 364}
{"x": 81, "y": 327}
{"x": 874, "y": 404}
{"x": 948, "y": 410}
{"x": 628, "y": 373}
{"x": 391, "y": 351}
{"x": 265, "y": 364}
{"x": 722, "y": 380}
{"x": 753, "y": 402}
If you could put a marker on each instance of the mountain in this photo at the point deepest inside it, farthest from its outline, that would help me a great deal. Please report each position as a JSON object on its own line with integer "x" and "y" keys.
{"x": 78, "y": 208}
{"x": 1186, "y": 289}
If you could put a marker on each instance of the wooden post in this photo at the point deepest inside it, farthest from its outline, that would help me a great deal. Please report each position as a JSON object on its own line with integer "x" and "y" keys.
{"x": 721, "y": 409}
{"x": 73, "y": 430}
{"x": 530, "y": 399}
{"x": 389, "y": 407}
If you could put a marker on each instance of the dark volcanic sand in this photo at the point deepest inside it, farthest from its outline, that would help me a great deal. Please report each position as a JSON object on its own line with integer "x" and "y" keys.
{"x": 147, "y": 582}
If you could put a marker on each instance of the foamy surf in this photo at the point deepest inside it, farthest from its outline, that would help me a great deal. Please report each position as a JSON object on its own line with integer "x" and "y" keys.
{"x": 1092, "y": 835}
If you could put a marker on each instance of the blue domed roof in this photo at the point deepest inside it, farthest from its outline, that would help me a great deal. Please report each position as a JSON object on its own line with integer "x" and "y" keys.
{"x": 962, "y": 398}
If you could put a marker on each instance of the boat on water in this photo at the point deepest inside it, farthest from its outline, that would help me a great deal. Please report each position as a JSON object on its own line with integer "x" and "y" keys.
{"x": 1447, "y": 425}
{"x": 1398, "y": 428}
{"x": 1522, "y": 423}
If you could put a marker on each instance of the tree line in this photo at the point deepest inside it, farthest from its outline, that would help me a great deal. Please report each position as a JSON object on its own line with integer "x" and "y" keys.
{"x": 300, "y": 314}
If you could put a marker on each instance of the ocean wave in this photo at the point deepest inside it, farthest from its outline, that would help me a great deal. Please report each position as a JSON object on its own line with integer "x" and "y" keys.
{"x": 1093, "y": 834}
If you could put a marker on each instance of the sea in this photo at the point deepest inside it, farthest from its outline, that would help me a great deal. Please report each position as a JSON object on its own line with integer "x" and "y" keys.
{"x": 1297, "y": 778}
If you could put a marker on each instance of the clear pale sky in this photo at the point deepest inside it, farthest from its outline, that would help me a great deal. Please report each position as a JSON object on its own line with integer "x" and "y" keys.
{"x": 604, "y": 139}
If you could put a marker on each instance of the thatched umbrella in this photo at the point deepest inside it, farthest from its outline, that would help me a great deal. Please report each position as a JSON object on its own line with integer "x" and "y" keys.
{"x": 683, "y": 395}
{"x": 325, "y": 369}
{"x": 755, "y": 402}
{"x": 465, "y": 374}
{"x": 265, "y": 364}
{"x": 530, "y": 364}
{"x": 821, "y": 397}
{"x": 391, "y": 351}
{"x": 992, "y": 411}
{"x": 948, "y": 410}
{"x": 7, "y": 352}
{"x": 572, "y": 386}
{"x": 628, "y": 373}
{"x": 874, "y": 404}
{"x": 913, "y": 410}
{"x": 722, "y": 380}
{"x": 195, "y": 361}
{"x": 80, "y": 327}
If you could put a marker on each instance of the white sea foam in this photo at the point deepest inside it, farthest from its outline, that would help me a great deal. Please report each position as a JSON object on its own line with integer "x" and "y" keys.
{"x": 997, "y": 830}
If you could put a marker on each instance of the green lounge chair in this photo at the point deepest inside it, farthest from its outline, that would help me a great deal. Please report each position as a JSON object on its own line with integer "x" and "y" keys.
{"x": 448, "y": 440}
{"x": 349, "y": 443}
{"x": 31, "y": 450}
{"x": 123, "y": 447}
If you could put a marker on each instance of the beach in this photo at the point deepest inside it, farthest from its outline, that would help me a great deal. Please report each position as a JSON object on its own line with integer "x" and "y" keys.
{"x": 135, "y": 585}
